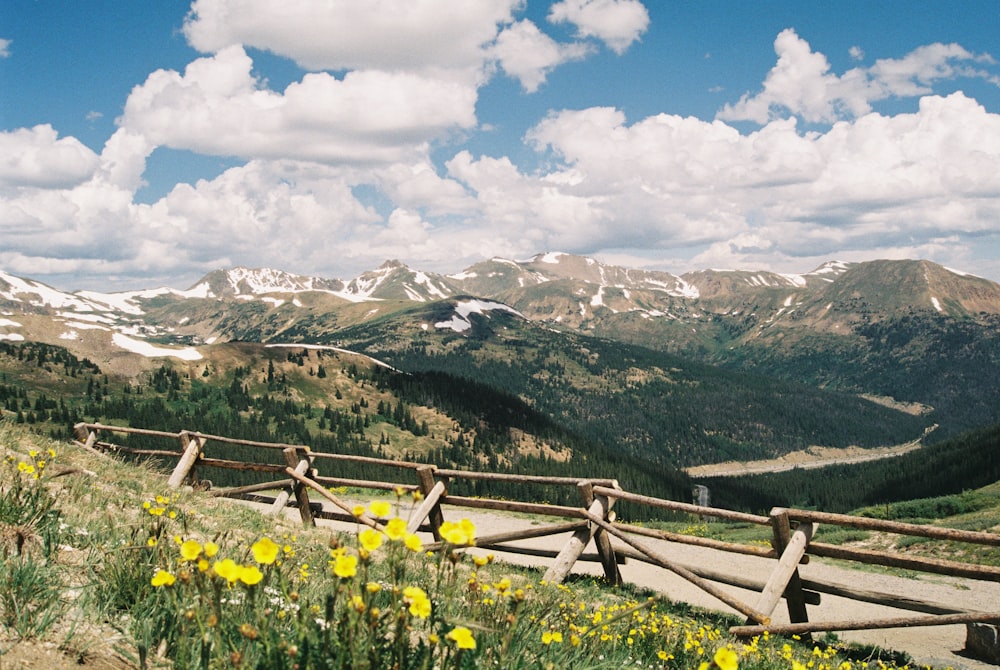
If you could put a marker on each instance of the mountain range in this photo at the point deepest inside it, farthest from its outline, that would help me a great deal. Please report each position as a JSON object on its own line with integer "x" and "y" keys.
{"x": 579, "y": 339}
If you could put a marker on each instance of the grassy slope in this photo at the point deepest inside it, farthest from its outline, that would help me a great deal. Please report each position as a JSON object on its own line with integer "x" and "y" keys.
{"x": 94, "y": 605}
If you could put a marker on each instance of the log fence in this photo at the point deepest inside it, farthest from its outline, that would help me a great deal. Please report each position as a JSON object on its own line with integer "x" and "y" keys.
{"x": 593, "y": 522}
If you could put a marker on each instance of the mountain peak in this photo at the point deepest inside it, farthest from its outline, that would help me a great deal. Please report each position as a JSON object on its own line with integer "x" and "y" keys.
{"x": 248, "y": 282}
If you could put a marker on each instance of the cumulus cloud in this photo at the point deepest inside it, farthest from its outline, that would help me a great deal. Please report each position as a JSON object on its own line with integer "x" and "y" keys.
{"x": 802, "y": 85}
{"x": 527, "y": 54}
{"x": 218, "y": 107}
{"x": 879, "y": 182}
{"x": 4, "y": 48}
{"x": 39, "y": 157}
{"x": 346, "y": 34}
{"x": 617, "y": 23}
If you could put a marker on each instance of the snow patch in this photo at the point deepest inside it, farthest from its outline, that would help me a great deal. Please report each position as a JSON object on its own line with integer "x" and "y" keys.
{"x": 10, "y": 324}
{"x": 937, "y": 304}
{"x": 460, "y": 322}
{"x": 552, "y": 257}
{"x": 277, "y": 302}
{"x": 78, "y": 325}
{"x": 323, "y": 347}
{"x": 69, "y": 335}
{"x": 598, "y": 299}
{"x": 788, "y": 301}
{"x": 152, "y": 351}
{"x": 12, "y": 337}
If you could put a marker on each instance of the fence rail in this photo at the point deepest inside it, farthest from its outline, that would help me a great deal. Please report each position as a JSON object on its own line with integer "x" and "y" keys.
{"x": 792, "y": 530}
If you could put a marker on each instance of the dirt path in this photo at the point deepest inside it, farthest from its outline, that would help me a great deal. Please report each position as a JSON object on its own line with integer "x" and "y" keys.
{"x": 940, "y": 646}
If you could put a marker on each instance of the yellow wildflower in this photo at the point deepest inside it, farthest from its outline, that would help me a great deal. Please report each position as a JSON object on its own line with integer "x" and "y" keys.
{"x": 345, "y": 566}
{"x": 211, "y": 549}
{"x": 726, "y": 659}
{"x": 420, "y": 604}
{"x": 227, "y": 569}
{"x": 370, "y": 539}
{"x": 380, "y": 508}
{"x": 412, "y": 542}
{"x": 265, "y": 551}
{"x": 395, "y": 529}
{"x": 548, "y": 637}
{"x": 459, "y": 534}
{"x": 358, "y": 510}
{"x": 190, "y": 550}
{"x": 163, "y": 578}
{"x": 462, "y": 637}
{"x": 250, "y": 575}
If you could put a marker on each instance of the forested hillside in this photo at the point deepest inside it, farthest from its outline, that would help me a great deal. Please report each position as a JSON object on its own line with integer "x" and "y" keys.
{"x": 646, "y": 403}
{"x": 962, "y": 463}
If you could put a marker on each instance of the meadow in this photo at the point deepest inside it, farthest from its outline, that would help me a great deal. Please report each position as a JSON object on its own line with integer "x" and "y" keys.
{"x": 103, "y": 567}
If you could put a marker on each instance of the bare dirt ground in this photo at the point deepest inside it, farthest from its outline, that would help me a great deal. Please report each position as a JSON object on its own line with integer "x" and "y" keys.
{"x": 938, "y": 646}
{"x": 813, "y": 457}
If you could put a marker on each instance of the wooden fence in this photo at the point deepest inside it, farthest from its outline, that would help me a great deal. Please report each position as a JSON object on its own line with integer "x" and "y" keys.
{"x": 792, "y": 530}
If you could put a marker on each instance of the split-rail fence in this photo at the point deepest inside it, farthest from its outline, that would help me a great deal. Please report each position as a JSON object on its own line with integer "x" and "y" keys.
{"x": 792, "y": 530}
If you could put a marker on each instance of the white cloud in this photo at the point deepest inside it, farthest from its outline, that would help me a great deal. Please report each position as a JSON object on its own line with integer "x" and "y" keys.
{"x": 347, "y": 34}
{"x": 617, "y": 23}
{"x": 39, "y": 157}
{"x": 527, "y": 54}
{"x": 369, "y": 116}
{"x": 4, "y": 48}
{"x": 877, "y": 183}
{"x": 856, "y": 53}
{"x": 801, "y": 83}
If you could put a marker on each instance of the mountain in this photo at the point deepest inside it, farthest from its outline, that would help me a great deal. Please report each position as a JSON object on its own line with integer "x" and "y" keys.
{"x": 910, "y": 334}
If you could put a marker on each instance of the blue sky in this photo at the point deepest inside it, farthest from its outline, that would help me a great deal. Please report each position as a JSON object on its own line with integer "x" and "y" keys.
{"x": 150, "y": 143}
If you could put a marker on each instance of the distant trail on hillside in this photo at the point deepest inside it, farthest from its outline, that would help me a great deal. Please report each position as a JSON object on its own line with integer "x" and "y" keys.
{"x": 807, "y": 459}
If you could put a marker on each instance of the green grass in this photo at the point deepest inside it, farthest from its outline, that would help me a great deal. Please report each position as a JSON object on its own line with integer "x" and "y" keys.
{"x": 180, "y": 579}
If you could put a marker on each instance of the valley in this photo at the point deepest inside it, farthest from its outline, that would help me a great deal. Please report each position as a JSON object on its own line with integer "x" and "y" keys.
{"x": 545, "y": 364}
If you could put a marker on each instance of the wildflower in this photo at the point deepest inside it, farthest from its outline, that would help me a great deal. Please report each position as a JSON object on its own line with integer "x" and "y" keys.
{"x": 265, "y": 551}
{"x": 726, "y": 659}
{"x": 395, "y": 529}
{"x": 248, "y": 631}
{"x": 370, "y": 539}
{"x": 548, "y": 637}
{"x": 190, "y": 550}
{"x": 412, "y": 542}
{"x": 420, "y": 604}
{"x": 358, "y": 603}
{"x": 211, "y": 549}
{"x": 380, "y": 508}
{"x": 345, "y": 566}
{"x": 250, "y": 575}
{"x": 151, "y": 542}
{"x": 358, "y": 510}
{"x": 202, "y": 565}
{"x": 400, "y": 491}
{"x": 462, "y": 637}
{"x": 480, "y": 561}
{"x": 227, "y": 569}
{"x": 163, "y": 578}
{"x": 373, "y": 587}
{"x": 460, "y": 534}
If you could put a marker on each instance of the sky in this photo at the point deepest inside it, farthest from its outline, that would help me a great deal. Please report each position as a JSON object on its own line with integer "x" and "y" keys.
{"x": 148, "y": 143}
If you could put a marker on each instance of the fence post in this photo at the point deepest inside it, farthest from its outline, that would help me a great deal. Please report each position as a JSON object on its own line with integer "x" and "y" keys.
{"x": 557, "y": 572}
{"x": 780, "y": 579}
{"x": 782, "y": 536}
{"x": 425, "y": 476}
{"x": 299, "y": 460}
{"x": 191, "y": 445}
{"x": 601, "y": 539}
